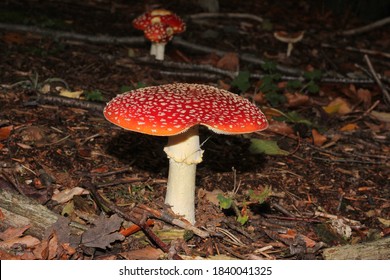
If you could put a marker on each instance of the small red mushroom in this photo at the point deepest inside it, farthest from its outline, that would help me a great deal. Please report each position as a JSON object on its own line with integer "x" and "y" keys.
{"x": 159, "y": 16}
{"x": 176, "y": 111}
{"x": 159, "y": 34}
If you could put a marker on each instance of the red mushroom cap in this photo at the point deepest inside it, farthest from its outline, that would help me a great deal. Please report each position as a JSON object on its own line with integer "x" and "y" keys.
{"x": 158, "y": 33}
{"x": 157, "y": 16}
{"x": 173, "y": 108}
{"x": 142, "y": 21}
{"x": 175, "y": 22}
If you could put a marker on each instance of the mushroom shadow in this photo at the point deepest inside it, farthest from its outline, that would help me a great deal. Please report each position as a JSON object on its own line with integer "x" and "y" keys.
{"x": 222, "y": 152}
{"x": 145, "y": 152}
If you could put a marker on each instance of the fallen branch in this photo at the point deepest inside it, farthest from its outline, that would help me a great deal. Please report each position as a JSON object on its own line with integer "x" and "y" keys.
{"x": 226, "y": 16}
{"x": 367, "y": 27}
{"x": 136, "y": 40}
{"x": 297, "y": 73}
{"x": 19, "y": 211}
{"x": 365, "y": 51}
{"x": 375, "y": 250}
{"x": 386, "y": 94}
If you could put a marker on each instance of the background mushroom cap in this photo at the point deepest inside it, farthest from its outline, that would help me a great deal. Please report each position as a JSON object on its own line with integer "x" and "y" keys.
{"x": 173, "y": 108}
{"x": 159, "y": 16}
{"x": 158, "y": 33}
{"x": 289, "y": 37}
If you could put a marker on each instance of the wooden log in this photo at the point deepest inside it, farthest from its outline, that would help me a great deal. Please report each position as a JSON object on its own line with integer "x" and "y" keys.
{"x": 18, "y": 211}
{"x": 375, "y": 250}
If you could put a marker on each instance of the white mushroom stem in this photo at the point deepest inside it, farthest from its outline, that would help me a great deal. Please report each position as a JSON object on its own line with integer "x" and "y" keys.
{"x": 153, "y": 49}
{"x": 184, "y": 154}
{"x": 290, "y": 47}
{"x": 160, "y": 49}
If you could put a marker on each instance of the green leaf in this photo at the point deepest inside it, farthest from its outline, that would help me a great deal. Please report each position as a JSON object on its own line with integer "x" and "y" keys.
{"x": 260, "y": 198}
{"x": 294, "y": 84}
{"x": 293, "y": 117}
{"x": 275, "y": 98}
{"x": 269, "y": 66}
{"x": 312, "y": 87}
{"x": 94, "y": 95}
{"x": 224, "y": 202}
{"x": 268, "y": 147}
{"x": 242, "y": 219}
{"x": 242, "y": 81}
{"x": 313, "y": 75}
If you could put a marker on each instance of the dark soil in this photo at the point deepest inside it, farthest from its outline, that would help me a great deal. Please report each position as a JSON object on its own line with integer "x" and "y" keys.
{"x": 347, "y": 176}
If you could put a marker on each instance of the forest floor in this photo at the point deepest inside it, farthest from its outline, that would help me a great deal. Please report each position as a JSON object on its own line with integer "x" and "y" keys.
{"x": 318, "y": 177}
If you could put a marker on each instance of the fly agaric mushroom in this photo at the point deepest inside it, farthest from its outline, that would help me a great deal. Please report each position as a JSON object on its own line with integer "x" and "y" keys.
{"x": 159, "y": 34}
{"x": 159, "y": 16}
{"x": 176, "y": 110}
{"x": 289, "y": 38}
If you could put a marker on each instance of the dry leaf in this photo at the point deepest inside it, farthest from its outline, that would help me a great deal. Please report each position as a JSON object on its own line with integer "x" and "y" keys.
{"x": 68, "y": 194}
{"x": 210, "y": 196}
{"x": 14, "y": 38}
{"x": 318, "y": 138}
{"x": 5, "y": 132}
{"x": 382, "y": 116}
{"x": 342, "y": 228}
{"x": 338, "y": 106}
{"x": 292, "y": 234}
{"x": 296, "y": 99}
{"x": 71, "y": 94}
{"x": 259, "y": 98}
{"x": 104, "y": 233}
{"x": 280, "y": 127}
{"x": 147, "y": 253}
{"x": 229, "y": 62}
{"x": 28, "y": 241}
{"x": 349, "y": 127}
{"x": 12, "y": 233}
{"x": 385, "y": 222}
{"x": 365, "y": 96}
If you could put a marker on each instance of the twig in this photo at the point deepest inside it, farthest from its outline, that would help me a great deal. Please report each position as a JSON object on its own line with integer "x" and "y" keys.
{"x": 167, "y": 217}
{"x": 139, "y": 220}
{"x": 378, "y": 81}
{"x": 367, "y": 27}
{"x": 365, "y": 51}
{"x": 282, "y": 210}
{"x": 192, "y": 75}
{"x": 56, "y": 34}
{"x": 94, "y": 107}
{"x": 226, "y": 15}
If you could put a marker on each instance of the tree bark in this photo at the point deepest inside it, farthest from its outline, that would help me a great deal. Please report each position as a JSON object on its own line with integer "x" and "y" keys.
{"x": 375, "y": 250}
{"x": 18, "y": 211}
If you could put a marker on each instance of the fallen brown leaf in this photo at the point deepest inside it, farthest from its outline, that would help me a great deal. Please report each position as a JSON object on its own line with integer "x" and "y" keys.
{"x": 12, "y": 233}
{"x": 104, "y": 233}
{"x": 349, "y": 127}
{"x": 147, "y": 253}
{"x": 229, "y": 62}
{"x": 318, "y": 139}
{"x": 5, "y": 132}
{"x": 296, "y": 99}
{"x": 28, "y": 241}
{"x": 291, "y": 234}
{"x": 68, "y": 194}
{"x": 338, "y": 106}
{"x": 280, "y": 127}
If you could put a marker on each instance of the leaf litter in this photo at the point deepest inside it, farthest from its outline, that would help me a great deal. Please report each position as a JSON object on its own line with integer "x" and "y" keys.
{"x": 325, "y": 152}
